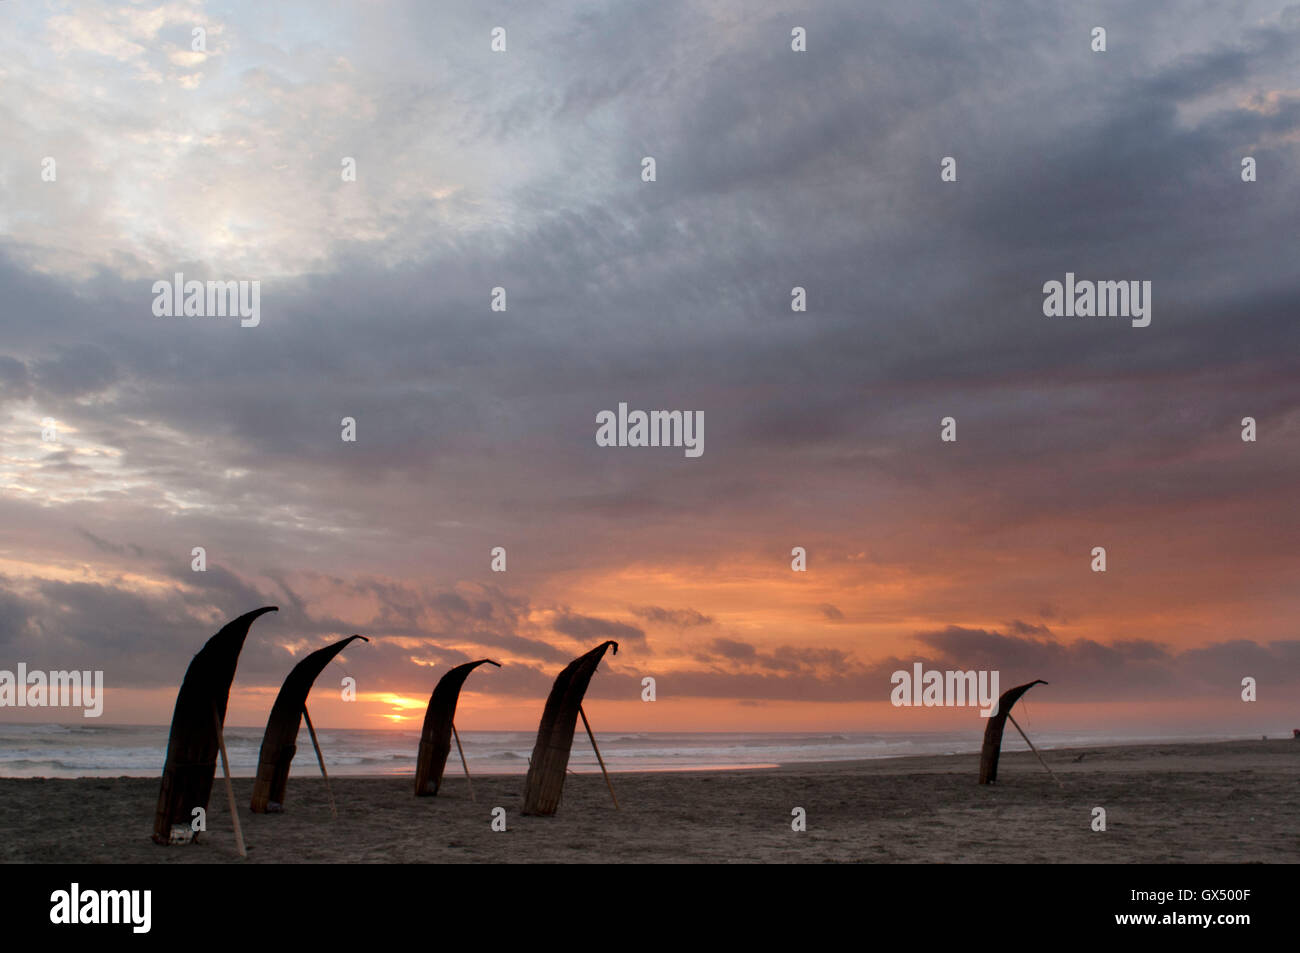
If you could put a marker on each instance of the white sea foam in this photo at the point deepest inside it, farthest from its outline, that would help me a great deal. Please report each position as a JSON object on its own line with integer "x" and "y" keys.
{"x": 64, "y": 751}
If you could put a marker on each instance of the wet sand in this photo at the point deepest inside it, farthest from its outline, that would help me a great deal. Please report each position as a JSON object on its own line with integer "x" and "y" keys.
{"x": 1222, "y": 802}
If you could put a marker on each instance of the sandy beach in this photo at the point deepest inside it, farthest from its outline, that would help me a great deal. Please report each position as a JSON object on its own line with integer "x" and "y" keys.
{"x": 1222, "y": 802}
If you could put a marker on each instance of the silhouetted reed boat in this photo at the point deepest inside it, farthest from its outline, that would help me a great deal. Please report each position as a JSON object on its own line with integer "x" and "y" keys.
{"x": 550, "y": 758}
{"x": 279, "y": 741}
{"x": 197, "y": 721}
{"x": 993, "y": 731}
{"x": 439, "y": 723}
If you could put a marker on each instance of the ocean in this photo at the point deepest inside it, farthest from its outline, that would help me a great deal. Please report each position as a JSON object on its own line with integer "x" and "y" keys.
{"x": 72, "y": 751}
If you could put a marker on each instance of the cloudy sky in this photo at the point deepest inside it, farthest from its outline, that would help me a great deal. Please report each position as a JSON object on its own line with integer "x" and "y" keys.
{"x": 475, "y": 428}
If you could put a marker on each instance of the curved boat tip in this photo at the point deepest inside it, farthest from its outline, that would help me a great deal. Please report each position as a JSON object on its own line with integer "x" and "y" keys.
{"x": 236, "y": 630}
{"x": 1017, "y": 690}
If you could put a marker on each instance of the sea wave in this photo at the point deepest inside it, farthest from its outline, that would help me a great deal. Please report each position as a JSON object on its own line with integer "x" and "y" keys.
{"x": 64, "y": 750}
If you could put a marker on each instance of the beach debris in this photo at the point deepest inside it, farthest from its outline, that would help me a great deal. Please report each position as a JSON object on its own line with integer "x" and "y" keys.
{"x": 546, "y": 768}
{"x": 196, "y": 729}
{"x": 280, "y": 740}
{"x": 993, "y": 731}
{"x": 440, "y": 728}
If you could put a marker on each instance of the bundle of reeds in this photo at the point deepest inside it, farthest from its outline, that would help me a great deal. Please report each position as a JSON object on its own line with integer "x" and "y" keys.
{"x": 550, "y": 758}
{"x": 279, "y": 742}
{"x": 993, "y": 730}
{"x": 439, "y": 724}
{"x": 197, "y": 723}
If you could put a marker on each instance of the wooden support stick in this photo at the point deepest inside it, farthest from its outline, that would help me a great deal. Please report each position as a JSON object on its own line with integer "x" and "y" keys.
{"x": 463, "y": 763}
{"x": 230, "y": 788}
{"x": 586, "y": 724}
{"x": 1035, "y": 751}
{"x": 320, "y": 759}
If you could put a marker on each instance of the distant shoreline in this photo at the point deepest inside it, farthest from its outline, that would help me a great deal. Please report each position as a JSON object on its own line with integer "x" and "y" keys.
{"x": 516, "y": 765}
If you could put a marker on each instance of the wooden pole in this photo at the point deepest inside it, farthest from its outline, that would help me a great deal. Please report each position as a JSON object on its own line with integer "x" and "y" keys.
{"x": 586, "y": 724}
{"x": 463, "y": 763}
{"x": 230, "y": 788}
{"x": 320, "y": 759}
{"x": 1035, "y": 751}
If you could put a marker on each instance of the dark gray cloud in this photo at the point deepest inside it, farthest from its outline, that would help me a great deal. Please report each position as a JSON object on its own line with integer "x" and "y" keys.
{"x": 15, "y": 383}
{"x": 475, "y": 428}
{"x": 677, "y": 618}
{"x": 1081, "y": 670}
{"x": 147, "y": 640}
{"x": 733, "y": 649}
{"x": 76, "y": 372}
{"x": 1127, "y": 669}
{"x": 117, "y": 549}
{"x": 583, "y": 627}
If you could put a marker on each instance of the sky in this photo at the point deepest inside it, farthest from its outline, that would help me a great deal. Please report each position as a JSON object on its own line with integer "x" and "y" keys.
{"x": 475, "y": 428}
